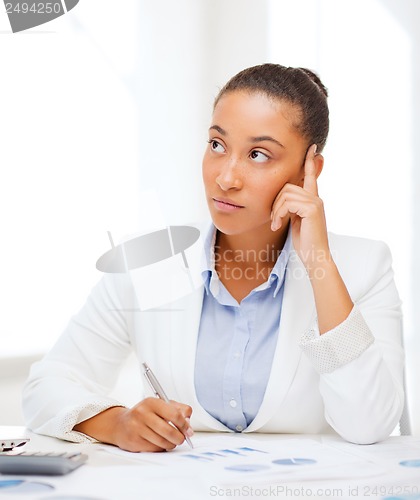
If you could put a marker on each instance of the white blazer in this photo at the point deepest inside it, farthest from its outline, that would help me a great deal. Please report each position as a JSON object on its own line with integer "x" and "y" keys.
{"x": 349, "y": 380}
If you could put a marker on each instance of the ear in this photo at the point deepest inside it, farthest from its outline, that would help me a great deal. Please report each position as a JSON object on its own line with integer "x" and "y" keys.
{"x": 319, "y": 164}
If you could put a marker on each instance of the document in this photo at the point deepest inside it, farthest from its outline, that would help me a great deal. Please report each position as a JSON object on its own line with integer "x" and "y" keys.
{"x": 230, "y": 458}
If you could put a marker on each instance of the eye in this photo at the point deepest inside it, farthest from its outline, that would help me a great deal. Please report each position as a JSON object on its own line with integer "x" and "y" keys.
{"x": 216, "y": 146}
{"x": 258, "y": 157}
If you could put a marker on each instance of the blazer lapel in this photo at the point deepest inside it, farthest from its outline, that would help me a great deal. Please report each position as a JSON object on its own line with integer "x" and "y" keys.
{"x": 184, "y": 329}
{"x": 298, "y": 313}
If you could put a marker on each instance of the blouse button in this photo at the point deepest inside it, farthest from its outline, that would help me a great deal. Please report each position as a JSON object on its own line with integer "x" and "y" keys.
{"x": 233, "y": 403}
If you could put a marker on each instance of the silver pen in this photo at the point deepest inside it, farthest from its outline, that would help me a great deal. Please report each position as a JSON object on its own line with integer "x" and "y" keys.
{"x": 159, "y": 392}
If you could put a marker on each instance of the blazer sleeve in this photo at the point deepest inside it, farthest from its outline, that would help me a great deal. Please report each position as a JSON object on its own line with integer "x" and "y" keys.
{"x": 72, "y": 381}
{"x": 361, "y": 361}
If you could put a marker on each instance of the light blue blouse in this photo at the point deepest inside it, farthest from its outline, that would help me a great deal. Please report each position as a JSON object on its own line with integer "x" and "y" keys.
{"x": 236, "y": 342}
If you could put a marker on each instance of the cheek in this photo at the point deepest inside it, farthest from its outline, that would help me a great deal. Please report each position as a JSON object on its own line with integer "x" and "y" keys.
{"x": 281, "y": 177}
{"x": 205, "y": 171}
{"x": 271, "y": 187}
{"x": 209, "y": 171}
{"x": 207, "y": 180}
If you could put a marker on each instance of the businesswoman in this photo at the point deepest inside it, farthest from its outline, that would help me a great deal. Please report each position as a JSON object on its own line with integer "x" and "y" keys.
{"x": 294, "y": 330}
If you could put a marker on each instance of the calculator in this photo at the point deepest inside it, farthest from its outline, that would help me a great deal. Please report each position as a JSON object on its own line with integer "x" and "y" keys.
{"x": 12, "y": 437}
{"x": 41, "y": 463}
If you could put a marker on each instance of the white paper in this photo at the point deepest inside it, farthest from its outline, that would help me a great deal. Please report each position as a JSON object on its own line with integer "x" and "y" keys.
{"x": 231, "y": 459}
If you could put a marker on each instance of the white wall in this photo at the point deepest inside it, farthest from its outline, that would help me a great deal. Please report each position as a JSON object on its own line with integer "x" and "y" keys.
{"x": 407, "y": 13}
{"x": 13, "y": 373}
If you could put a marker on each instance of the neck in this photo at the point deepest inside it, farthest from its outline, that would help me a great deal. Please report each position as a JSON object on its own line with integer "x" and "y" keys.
{"x": 261, "y": 245}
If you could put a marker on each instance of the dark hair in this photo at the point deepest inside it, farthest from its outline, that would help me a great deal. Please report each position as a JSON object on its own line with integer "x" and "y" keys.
{"x": 300, "y": 87}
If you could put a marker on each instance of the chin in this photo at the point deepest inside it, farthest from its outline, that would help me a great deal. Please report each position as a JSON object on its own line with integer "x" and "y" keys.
{"x": 231, "y": 227}
{"x": 226, "y": 225}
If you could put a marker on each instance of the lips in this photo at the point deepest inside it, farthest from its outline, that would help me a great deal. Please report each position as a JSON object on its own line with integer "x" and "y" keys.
{"x": 228, "y": 202}
{"x": 226, "y": 206}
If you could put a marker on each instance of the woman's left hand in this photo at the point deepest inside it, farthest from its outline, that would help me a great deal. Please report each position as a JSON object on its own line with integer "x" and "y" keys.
{"x": 306, "y": 211}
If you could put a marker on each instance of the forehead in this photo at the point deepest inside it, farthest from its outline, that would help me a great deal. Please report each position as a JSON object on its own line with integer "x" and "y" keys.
{"x": 243, "y": 110}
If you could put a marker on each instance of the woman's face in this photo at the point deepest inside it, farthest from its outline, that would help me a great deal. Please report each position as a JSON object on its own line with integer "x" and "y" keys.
{"x": 253, "y": 151}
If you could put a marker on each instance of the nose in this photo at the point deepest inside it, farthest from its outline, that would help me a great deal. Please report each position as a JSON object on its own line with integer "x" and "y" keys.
{"x": 230, "y": 175}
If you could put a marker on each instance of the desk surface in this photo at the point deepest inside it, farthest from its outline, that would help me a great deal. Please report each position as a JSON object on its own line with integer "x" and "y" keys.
{"x": 351, "y": 471}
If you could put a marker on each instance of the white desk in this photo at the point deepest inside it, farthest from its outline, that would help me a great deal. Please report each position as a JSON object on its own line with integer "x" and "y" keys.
{"x": 109, "y": 476}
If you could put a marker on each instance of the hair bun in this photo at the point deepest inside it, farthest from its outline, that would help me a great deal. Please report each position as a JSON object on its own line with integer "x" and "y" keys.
{"x": 315, "y": 78}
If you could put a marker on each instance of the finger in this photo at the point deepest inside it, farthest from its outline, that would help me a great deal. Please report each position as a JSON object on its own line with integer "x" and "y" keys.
{"x": 278, "y": 215}
{"x": 161, "y": 435}
{"x": 304, "y": 208}
{"x": 138, "y": 444}
{"x": 185, "y": 409}
{"x": 287, "y": 190}
{"x": 172, "y": 413}
{"x": 149, "y": 421}
{"x": 309, "y": 181}
{"x": 289, "y": 202}
{"x": 167, "y": 434}
{"x": 160, "y": 430}
{"x": 143, "y": 436}
{"x": 291, "y": 193}
{"x": 277, "y": 203}
{"x": 180, "y": 414}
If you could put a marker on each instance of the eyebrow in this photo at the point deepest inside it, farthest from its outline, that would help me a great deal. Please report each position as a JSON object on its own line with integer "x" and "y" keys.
{"x": 260, "y": 138}
{"x": 218, "y": 129}
{"x": 266, "y": 138}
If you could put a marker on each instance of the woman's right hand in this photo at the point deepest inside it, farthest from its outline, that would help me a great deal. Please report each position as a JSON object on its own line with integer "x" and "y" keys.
{"x": 145, "y": 427}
